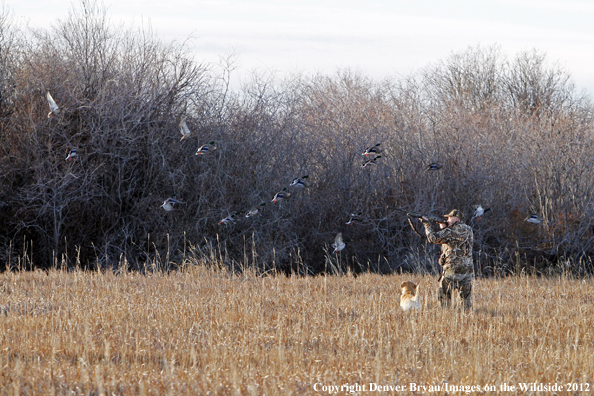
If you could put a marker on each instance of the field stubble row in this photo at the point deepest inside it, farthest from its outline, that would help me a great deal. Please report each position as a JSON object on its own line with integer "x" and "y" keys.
{"x": 200, "y": 330}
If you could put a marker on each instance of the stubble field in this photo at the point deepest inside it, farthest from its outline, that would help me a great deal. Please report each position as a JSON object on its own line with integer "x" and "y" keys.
{"x": 202, "y": 331}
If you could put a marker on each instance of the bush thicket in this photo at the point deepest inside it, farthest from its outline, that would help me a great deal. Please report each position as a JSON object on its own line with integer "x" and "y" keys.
{"x": 512, "y": 135}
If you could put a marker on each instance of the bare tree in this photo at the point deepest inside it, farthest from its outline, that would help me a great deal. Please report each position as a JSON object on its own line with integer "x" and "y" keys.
{"x": 511, "y": 136}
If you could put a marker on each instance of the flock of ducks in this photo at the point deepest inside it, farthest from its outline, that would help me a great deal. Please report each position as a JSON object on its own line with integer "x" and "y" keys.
{"x": 371, "y": 154}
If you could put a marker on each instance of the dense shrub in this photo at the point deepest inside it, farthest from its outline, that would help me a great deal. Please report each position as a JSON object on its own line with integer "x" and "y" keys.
{"x": 510, "y": 135}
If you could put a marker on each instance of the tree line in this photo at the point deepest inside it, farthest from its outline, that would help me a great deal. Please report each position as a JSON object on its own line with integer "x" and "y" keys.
{"x": 512, "y": 134}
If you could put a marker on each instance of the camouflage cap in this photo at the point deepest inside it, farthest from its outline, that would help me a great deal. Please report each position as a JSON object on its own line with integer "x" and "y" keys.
{"x": 455, "y": 213}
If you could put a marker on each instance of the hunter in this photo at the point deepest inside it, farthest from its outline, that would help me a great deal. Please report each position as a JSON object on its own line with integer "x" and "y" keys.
{"x": 456, "y": 240}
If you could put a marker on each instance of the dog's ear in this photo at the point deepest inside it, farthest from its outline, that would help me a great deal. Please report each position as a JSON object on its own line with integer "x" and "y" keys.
{"x": 402, "y": 284}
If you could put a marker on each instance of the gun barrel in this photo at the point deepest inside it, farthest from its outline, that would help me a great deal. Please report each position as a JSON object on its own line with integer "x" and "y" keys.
{"x": 435, "y": 219}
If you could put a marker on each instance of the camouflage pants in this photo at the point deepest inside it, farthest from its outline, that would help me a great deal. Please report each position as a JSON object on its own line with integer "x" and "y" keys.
{"x": 448, "y": 285}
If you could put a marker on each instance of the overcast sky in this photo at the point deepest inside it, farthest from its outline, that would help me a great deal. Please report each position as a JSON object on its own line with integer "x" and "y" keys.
{"x": 379, "y": 38}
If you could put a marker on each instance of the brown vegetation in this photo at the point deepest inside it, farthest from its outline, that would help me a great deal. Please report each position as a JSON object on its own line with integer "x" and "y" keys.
{"x": 202, "y": 330}
{"x": 510, "y": 135}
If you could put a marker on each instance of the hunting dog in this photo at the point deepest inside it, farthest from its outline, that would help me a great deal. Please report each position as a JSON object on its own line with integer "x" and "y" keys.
{"x": 409, "y": 299}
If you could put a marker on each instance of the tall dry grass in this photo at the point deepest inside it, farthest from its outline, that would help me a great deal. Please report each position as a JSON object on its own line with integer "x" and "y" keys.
{"x": 207, "y": 331}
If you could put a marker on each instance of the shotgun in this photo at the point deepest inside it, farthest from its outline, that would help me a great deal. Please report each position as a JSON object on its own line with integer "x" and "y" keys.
{"x": 435, "y": 219}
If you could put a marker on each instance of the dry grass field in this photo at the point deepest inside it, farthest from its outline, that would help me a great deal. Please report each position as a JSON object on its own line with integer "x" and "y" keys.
{"x": 201, "y": 331}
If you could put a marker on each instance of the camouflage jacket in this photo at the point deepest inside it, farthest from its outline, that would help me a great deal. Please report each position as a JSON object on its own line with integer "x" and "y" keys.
{"x": 456, "y": 249}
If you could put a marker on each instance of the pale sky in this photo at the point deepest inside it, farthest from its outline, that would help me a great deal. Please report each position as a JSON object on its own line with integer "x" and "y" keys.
{"x": 378, "y": 38}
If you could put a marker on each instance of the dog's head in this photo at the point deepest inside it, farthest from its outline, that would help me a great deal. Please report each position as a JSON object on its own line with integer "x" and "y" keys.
{"x": 408, "y": 287}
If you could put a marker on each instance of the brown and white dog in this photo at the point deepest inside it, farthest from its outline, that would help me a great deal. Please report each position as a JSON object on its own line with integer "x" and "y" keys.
{"x": 410, "y": 296}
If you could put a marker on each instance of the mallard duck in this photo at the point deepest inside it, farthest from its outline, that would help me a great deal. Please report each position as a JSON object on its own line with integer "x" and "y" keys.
{"x": 354, "y": 219}
{"x": 71, "y": 155}
{"x": 371, "y": 161}
{"x": 169, "y": 202}
{"x": 229, "y": 219}
{"x": 281, "y": 195}
{"x": 434, "y": 166}
{"x": 183, "y": 128}
{"x": 205, "y": 148}
{"x": 479, "y": 211}
{"x": 372, "y": 150}
{"x": 254, "y": 211}
{"x": 54, "y": 109}
{"x": 299, "y": 182}
{"x": 339, "y": 243}
{"x": 534, "y": 219}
